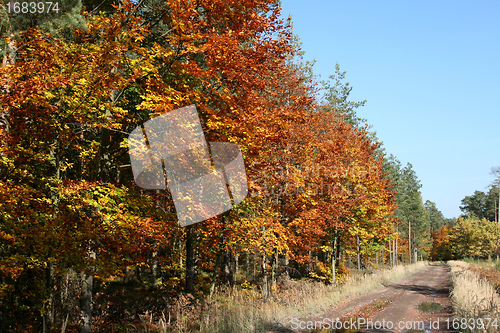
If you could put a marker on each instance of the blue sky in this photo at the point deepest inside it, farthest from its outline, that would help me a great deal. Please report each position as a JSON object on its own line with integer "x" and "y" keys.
{"x": 430, "y": 72}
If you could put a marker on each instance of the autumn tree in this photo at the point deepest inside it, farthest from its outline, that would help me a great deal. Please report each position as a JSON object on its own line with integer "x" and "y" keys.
{"x": 318, "y": 190}
{"x": 441, "y": 247}
{"x": 56, "y": 176}
{"x": 473, "y": 238}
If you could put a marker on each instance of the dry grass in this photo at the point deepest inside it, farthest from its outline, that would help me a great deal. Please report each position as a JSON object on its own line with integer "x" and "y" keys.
{"x": 492, "y": 275}
{"x": 244, "y": 310}
{"x": 488, "y": 270}
{"x": 473, "y": 296}
{"x": 241, "y": 309}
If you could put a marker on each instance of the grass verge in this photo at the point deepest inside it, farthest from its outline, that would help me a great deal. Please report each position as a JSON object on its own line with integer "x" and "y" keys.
{"x": 239, "y": 310}
{"x": 473, "y": 297}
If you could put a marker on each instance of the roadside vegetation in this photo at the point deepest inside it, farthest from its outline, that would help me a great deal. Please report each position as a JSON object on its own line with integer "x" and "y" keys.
{"x": 241, "y": 309}
{"x": 473, "y": 296}
{"x": 488, "y": 270}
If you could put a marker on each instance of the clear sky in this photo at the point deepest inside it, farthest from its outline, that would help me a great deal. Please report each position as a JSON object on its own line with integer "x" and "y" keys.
{"x": 430, "y": 72}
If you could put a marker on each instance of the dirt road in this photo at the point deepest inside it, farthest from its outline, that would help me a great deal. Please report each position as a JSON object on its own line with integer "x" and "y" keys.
{"x": 407, "y": 305}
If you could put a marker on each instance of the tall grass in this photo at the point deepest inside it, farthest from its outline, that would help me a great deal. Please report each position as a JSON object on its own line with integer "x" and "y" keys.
{"x": 238, "y": 310}
{"x": 473, "y": 297}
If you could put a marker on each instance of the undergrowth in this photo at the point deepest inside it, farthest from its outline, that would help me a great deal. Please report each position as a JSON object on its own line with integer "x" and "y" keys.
{"x": 244, "y": 310}
{"x": 473, "y": 296}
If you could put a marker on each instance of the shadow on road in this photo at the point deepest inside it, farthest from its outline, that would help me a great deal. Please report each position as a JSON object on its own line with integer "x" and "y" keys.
{"x": 424, "y": 290}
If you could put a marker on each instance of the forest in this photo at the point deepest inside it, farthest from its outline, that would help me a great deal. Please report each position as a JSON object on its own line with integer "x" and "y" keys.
{"x": 80, "y": 241}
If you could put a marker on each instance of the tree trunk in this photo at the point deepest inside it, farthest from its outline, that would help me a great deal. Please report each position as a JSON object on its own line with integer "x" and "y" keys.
{"x": 334, "y": 259}
{"x": 497, "y": 249}
{"x": 196, "y": 257}
{"x": 214, "y": 274}
{"x": 181, "y": 263}
{"x": 357, "y": 248}
{"x": 390, "y": 255}
{"x": 274, "y": 271}
{"x": 247, "y": 266}
{"x": 236, "y": 266}
{"x": 228, "y": 271}
{"x": 287, "y": 266}
{"x": 155, "y": 270}
{"x": 189, "y": 260}
{"x": 65, "y": 286}
{"x": 383, "y": 257}
{"x": 64, "y": 324}
{"x": 264, "y": 276}
{"x": 48, "y": 317}
{"x": 220, "y": 256}
{"x": 498, "y": 215}
{"x": 86, "y": 303}
{"x": 396, "y": 252}
{"x": 393, "y": 253}
{"x": 309, "y": 265}
{"x": 409, "y": 242}
{"x": 264, "y": 265}
{"x": 254, "y": 264}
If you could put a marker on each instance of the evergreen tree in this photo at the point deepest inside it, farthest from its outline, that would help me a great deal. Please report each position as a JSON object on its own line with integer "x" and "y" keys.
{"x": 436, "y": 218}
{"x": 411, "y": 213}
{"x": 337, "y": 96}
{"x": 481, "y": 205}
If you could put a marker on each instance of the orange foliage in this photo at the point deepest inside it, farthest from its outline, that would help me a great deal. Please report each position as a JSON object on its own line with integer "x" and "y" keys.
{"x": 70, "y": 105}
{"x": 441, "y": 249}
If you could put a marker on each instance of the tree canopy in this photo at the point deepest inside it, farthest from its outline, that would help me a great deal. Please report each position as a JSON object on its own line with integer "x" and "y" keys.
{"x": 76, "y": 83}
